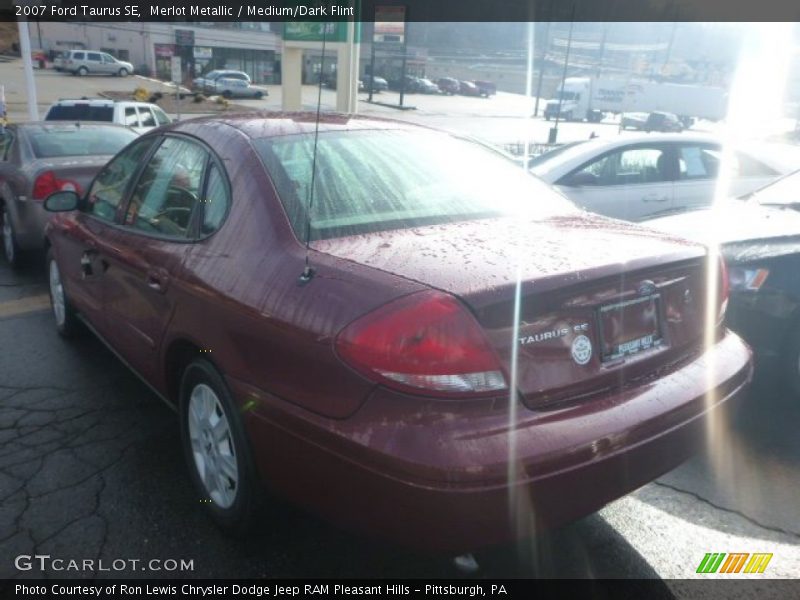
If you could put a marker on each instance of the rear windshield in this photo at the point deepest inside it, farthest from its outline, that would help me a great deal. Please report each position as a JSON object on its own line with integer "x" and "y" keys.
{"x": 80, "y": 112}
{"x": 369, "y": 181}
{"x": 50, "y": 142}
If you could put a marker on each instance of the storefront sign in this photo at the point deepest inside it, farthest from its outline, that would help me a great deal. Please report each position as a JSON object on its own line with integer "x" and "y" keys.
{"x": 203, "y": 53}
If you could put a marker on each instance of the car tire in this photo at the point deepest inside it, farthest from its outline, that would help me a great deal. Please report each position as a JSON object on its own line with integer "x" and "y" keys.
{"x": 217, "y": 450}
{"x": 123, "y": 72}
{"x": 67, "y": 322}
{"x": 82, "y": 72}
{"x": 11, "y": 249}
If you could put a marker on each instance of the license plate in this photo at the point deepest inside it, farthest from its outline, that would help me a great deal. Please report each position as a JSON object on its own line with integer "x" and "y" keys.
{"x": 629, "y": 327}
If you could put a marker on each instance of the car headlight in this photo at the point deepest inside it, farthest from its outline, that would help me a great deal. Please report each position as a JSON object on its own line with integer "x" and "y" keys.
{"x": 741, "y": 279}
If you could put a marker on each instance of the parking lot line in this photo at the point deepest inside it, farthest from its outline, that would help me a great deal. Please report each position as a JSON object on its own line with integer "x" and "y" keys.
{"x": 14, "y": 308}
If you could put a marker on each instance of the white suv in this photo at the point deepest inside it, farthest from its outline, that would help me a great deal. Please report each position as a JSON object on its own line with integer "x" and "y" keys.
{"x": 139, "y": 116}
{"x": 83, "y": 62}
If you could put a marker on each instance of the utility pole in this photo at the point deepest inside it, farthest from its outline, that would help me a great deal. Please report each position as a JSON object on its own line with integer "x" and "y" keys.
{"x": 554, "y": 131}
{"x": 30, "y": 83}
{"x": 542, "y": 59}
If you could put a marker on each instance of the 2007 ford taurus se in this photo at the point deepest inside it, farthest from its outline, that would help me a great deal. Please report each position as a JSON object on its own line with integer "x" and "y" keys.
{"x": 374, "y": 321}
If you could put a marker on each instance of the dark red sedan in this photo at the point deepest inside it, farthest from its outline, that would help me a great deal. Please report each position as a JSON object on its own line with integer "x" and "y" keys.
{"x": 376, "y": 323}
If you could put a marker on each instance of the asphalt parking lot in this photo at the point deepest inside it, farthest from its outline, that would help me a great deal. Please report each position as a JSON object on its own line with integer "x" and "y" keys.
{"x": 90, "y": 468}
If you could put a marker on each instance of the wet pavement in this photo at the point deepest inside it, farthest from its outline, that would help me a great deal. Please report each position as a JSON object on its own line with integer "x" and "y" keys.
{"x": 91, "y": 468}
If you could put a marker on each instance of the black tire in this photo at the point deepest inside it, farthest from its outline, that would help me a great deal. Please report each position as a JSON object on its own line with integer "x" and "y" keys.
{"x": 123, "y": 72}
{"x": 13, "y": 253}
{"x": 238, "y": 518}
{"x": 82, "y": 72}
{"x": 70, "y": 325}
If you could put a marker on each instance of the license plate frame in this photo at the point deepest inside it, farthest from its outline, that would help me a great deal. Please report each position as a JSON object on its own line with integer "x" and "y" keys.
{"x": 630, "y": 344}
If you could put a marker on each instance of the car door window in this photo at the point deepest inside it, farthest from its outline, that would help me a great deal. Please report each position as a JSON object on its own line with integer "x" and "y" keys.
{"x": 78, "y": 56}
{"x": 168, "y": 191}
{"x": 108, "y": 59}
{"x": 93, "y": 56}
{"x": 146, "y": 117}
{"x": 625, "y": 167}
{"x": 741, "y": 165}
{"x": 131, "y": 118}
{"x": 215, "y": 201}
{"x": 108, "y": 189}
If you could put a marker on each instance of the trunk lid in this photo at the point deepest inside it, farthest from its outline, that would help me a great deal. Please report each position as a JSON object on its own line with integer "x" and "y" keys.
{"x": 602, "y": 302}
{"x": 79, "y": 170}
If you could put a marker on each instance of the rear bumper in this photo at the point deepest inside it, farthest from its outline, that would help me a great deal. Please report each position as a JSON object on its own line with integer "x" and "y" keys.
{"x": 435, "y": 475}
{"x": 29, "y": 223}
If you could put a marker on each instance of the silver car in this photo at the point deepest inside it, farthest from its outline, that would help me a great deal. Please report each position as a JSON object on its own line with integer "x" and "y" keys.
{"x": 86, "y": 62}
{"x": 640, "y": 176}
{"x": 237, "y": 88}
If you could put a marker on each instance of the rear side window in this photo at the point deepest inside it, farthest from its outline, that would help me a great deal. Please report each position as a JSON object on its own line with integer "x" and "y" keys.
{"x": 51, "y": 142}
{"x": 78, "y": 55}
{"x": 93, "y": 56}
{"x": 161, "y": 116}
{"x": 80, "y": 112}
{"x": 216, "y": 201}
{"x": 108, "y": 189}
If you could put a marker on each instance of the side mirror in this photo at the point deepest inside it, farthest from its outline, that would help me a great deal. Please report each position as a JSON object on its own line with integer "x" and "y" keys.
{"x": 64, "y": 201}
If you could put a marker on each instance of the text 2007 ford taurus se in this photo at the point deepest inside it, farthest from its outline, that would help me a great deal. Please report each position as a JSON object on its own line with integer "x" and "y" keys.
{"x": 368, "y": 375}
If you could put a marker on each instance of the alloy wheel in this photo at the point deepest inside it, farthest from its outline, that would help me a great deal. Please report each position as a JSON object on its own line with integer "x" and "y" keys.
{"x": 212, "y": 446}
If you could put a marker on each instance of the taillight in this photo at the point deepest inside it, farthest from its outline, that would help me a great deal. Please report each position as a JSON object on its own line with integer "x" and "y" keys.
{"x": 427, "y": 342}
{"x": 724, "y": 290}
{"x": 47, "y": 183}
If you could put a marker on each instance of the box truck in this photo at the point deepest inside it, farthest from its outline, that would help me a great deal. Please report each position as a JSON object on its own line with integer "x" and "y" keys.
{"x": 591, "y": 98}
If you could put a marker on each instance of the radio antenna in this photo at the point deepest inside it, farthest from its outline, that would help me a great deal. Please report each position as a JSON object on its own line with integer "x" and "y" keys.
{"x": 308, "y": 271}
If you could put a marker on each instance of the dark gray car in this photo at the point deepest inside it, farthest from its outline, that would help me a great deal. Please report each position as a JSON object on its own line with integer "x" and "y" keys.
{"x": 37, "y": 159}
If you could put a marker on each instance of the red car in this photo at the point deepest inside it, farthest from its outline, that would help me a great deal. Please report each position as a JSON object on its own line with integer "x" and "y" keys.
{"x": 390, "y": 333}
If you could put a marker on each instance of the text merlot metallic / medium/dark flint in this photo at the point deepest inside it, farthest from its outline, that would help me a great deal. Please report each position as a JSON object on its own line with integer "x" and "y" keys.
{"x": 333, "y": 316}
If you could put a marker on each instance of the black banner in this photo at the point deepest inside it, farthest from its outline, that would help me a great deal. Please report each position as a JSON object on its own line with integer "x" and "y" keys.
{"x": 416, "y": 10}
{"x": 616, "y": 589}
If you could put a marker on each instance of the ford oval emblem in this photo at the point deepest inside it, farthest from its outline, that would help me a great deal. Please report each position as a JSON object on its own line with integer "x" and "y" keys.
{"x": 646, "y": 288}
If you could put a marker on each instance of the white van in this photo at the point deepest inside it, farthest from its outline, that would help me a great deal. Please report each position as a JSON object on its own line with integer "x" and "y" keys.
{"x": 139, "y": 116}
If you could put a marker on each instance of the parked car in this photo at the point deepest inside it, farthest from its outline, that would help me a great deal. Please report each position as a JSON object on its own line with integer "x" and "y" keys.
{"x": 37, "y": 159}
{"x": 379, "y": 84}
{"x": 638, "y": 176}
{"x": 207, "y": 84}
{"x": 486, "y": 88}
{"x": 467, "y": 88}
{"x": 448, "y": 85}
{"x": 663, "y": 121}
{"x": 139, "y": 116}
{"x": 237, "y": 88}
{"x": 225, "y": 305}
{"x": 761, "y": 246}
{"x": 59, "y": 57}
{"x": 634, "y": 120}
{"x": 87, "y": 62}
{"x": 426, "y": 86}
{"x": 411, "y": 84}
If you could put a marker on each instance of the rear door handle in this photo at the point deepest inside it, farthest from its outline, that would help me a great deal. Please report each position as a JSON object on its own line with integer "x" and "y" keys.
{"x": 655, "y": 198}
{"x": 157, "y": 280}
